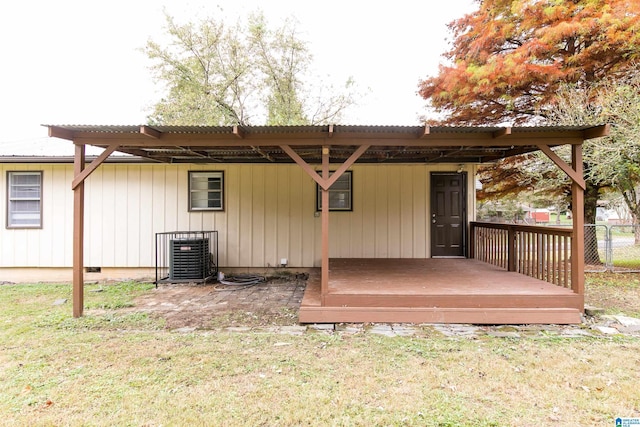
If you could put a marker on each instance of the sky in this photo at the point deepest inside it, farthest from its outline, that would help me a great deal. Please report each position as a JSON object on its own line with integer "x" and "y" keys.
{"x": 81, "y": 61}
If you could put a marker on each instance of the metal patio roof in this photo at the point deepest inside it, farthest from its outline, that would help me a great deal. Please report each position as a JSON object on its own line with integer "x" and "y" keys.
{"x": 263, "y": 144}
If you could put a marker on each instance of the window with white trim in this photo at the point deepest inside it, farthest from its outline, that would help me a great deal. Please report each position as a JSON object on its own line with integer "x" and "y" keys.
{"x": 340, "y": 194}
{"x": 24, "y": 199}
{"x": 206, "y": 190}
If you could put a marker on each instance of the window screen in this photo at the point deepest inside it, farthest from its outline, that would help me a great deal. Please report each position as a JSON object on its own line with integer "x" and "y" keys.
{"x": 24, "y": 199}
{"x": 340, "y": 194}
{"x": 206, "y": 191}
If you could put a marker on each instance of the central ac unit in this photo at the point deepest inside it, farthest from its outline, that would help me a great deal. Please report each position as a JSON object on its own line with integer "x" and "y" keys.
{"x": 189, "y": 259}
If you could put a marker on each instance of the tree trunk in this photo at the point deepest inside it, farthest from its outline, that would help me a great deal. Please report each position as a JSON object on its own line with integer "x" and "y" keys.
{"x": 558, "y": 211}
{"x": 636, "y": 227}
{"x": 591, "y": 255}
{"x": 632, "y": 200}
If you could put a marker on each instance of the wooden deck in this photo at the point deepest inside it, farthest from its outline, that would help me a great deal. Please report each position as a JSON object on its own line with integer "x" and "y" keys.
{"x": 435, "y": 291}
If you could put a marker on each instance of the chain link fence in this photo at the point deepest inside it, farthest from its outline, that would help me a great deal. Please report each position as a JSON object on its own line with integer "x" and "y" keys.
{"x": 612, "y": 248}
{"x": 595, "y": 248}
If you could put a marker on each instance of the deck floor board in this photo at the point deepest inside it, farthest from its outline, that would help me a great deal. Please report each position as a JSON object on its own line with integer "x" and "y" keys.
{"x": 431, "y": 277}
{"x": 416, "y": 288}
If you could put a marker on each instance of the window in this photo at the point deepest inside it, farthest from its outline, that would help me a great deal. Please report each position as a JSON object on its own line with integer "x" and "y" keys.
{"x": 206, "y": 191}
{"x": 24, "y": 199}
{"x": 340, "y": 194}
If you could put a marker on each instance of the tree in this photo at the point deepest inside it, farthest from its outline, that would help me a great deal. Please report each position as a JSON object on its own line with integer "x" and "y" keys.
{"x": 623, "y": 107}
{"x": 241, "y": 74}
{"x": 611, "y": 163}
{"x": 614, "y": 161}
{"x": 281, "y": 59}
{"x": 510, "y": 56}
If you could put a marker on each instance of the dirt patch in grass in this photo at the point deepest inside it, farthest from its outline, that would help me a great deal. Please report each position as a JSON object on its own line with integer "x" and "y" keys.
{"x": 276, "y": 302}
{"x": 212, "y": 306}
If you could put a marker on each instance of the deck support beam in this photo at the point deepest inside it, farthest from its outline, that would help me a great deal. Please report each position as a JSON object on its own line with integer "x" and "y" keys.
{"x": 324, "y": 279}
{"x": 577, "y": 208}
{"x": 576, "y": 177}
{"x": 78, "y": 232}
{"x": 80, "y": 174}
{"x": 325, "y": 183}
{"x": 325, "y": 180}
{"x": 85, "y": 172}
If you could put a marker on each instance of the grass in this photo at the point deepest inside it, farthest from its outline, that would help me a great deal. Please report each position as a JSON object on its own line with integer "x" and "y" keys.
{"x": 617, "y": 293}
{"x": 627, "y": 257}
{"x": 119, "y": 367}
{"x": 253, "y": 319}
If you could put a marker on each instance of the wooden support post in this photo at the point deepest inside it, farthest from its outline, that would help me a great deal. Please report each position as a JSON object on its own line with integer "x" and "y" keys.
{"x": 472, "y": 240}
{"x": 78, "y": 233}
{"x": 325, "y": 181}
{"x": 511, "y": 248}
{"x": 324, "y": 284}
{"x": 577, "y": 208}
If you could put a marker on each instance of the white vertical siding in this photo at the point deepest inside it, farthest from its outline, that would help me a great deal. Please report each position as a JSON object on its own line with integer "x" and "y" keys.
{"x": 269, "y": 214}
{"x": 94, "y": 209}
{"x": 303, "y": 242}
{"x": 230, "y": 255}
{"x": 55, "y": 250}
{"x": 389, "y": 218}
{"x": 286, "y": 231}
{"x": 420, "y": 219}
{"x": 109, "y": 225}
{"x": 147, "y": 212}
{"x": 45, "y": 246}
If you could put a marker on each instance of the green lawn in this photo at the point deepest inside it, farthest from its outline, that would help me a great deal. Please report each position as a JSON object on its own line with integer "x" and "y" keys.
{"x": 118, "y": 367}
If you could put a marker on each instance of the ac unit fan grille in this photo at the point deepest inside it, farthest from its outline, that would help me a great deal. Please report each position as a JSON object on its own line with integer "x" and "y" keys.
{"x": 189, "y": 259}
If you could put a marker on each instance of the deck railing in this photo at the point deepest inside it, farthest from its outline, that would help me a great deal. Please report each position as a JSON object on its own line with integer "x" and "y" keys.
{"x": 540, "y": 252}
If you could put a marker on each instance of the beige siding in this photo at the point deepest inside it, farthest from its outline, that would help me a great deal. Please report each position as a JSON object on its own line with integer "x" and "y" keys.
{"x": 269, "y": 214}
{"x": 389, "y": 218}
{"x": 45, "y": 246}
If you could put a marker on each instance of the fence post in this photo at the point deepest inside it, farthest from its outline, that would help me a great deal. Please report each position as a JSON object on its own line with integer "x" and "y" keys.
{"x": 608, "y": 248}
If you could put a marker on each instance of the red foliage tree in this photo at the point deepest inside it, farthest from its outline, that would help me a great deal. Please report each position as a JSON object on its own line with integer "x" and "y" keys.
{"x": 509, "y": 57}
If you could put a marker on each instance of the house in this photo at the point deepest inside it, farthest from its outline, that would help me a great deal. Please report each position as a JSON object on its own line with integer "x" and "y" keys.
{"x": 384, "y": 214}
{"x": 539, "y": 215}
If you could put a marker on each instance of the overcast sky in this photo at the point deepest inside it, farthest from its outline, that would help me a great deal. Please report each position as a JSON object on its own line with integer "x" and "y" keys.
{"x": 79, "y": 62}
